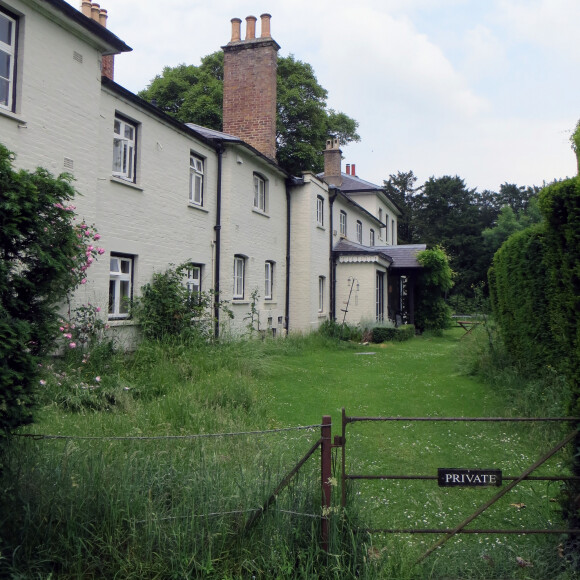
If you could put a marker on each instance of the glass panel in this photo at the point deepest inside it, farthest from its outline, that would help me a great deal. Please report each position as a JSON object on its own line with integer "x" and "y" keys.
{"x": 5, "y": 30}
{"x": 124, "y": 296}
{"x": 128, "y": 132}
{"x": 129, "y": 153}
{"x": 5, "y": 69}
{"x": 114, "y": 265}
{"x": 4, "y": 92}
{"x": 117, "y": 155}
{"x": 125, "y": 266}
{"x": 112, "y": 294}
{"x": 117, "y": 128}
{"x": 197, "y": 189}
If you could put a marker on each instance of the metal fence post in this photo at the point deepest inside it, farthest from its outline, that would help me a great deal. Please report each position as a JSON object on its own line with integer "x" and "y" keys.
{"x": 326, "y": 474}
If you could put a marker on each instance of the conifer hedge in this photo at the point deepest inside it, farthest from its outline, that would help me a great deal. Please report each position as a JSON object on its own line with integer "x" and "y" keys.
{"x": 535, "y": 287}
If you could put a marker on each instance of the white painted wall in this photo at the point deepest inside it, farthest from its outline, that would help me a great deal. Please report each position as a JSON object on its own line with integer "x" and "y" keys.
{"x": 258, "y": 236}
{"x": 309, "y": 255}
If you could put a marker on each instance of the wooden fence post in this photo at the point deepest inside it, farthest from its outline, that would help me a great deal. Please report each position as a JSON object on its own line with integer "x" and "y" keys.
{"x": 326, "y": 474}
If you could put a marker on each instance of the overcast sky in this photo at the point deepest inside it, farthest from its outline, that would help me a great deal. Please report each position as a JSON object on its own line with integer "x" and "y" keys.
{"x": 485, "y": 89}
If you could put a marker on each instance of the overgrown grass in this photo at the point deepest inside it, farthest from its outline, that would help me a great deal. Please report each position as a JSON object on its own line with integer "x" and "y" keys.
{"x": 178, "y": 508}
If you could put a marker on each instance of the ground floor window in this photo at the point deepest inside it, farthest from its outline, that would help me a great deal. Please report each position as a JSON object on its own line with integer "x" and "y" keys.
{"x": 239, "y": 276}
{"x": 380, "y": 296}
{"x": 321, "y": 281}
{"x": 120, "y": 285}
{"x": 268, "y": 280}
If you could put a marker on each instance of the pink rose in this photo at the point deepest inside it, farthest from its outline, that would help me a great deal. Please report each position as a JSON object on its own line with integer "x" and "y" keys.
{"x": 73, "y": 345}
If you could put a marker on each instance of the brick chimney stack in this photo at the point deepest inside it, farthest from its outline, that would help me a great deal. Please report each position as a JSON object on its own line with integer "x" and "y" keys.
{"x": 332, "y": 162}
{"x": 250, "y": 85}
{"x": 95, "y": 12}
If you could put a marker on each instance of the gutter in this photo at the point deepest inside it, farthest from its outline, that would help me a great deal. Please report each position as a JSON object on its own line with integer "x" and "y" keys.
{"x": 217, "y": 228}
{"x": 288, "y": 222}
{"x": 332, "y": 194}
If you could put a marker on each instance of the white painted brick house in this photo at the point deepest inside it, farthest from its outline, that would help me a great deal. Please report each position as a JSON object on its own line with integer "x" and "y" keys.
{"x": 161, "y": 192}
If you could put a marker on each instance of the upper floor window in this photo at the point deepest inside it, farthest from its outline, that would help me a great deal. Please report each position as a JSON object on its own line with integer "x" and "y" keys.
{"x": 372, "y": 237}
{"x": 319, "y": 211}
{"x": 7, "y": 59}
{"x": 342, "y": 223}
{"x": 195, "y": 180}
{"x": 268, "y": 280}
{"x": 124, "y": 149}
{"x": 393, "y": 232}
{"x": 120, "y": 285}
{"x": 359, "y": 231}
{"x": 260, "y": 193}
{"x": 239, "y": 277}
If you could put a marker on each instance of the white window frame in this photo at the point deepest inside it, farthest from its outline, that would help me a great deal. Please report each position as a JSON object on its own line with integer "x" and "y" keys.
{"x": 121, "y": 269}
{"x": 359, "y": 231}
{"x": 239, "y": 277}
{"x": 196, "y": 171}
{"x": 9, "y": 49}
{"x": 193, "y": 279}
{"x": 268, "y": 280}
{"x": 260, "y": 193}
{"x": 343, "y": 229}
{"x": 320, "y": 211}
{"x": 124, "y": 149}
{"x": 321, "y": 280}
{"x": 371, "y": 237}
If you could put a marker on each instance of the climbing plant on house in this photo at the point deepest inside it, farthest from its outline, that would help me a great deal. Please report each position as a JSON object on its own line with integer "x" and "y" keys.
{"x": 432, "y": 312}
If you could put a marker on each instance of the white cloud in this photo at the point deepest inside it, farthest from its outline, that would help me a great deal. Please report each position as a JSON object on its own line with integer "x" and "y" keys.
{"x": 484, "y": 53}
{"x": 549, "y": 23}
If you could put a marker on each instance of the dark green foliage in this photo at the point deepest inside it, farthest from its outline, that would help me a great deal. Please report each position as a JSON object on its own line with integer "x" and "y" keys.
{"x": 332, "y": 329}
{"x": 194, "y": 94}
{"x": 166, "y": 308}
{"x": 436, "y": 278}
{"x": 396, "y": 334}
{"x": 520, "y": 294}
{"x": 560, "y": 204}
{"x": 40, "y": 253}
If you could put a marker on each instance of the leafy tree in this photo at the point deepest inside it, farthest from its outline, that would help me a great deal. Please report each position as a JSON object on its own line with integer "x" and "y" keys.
{"x": 401, "y": 188}
{"x": 194, "y": 94}
{"x": 447, "y": 213}
{"x": 575, "y": 141}
{"x": 43, "y": 256}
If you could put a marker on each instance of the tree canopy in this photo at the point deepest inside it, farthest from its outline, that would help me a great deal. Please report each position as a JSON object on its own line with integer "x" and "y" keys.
{"x": 194, "y": 94}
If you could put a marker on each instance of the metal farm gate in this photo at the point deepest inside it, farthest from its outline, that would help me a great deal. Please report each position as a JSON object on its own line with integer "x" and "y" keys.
{"x": 444, "y": 477}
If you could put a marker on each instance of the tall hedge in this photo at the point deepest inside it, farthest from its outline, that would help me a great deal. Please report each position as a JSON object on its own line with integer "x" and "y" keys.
{"x": 535, "y": 287}
{"x": 560, "y": 205}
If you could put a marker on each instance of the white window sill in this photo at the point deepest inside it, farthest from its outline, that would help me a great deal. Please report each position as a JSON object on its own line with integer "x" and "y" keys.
{"x": 260, "y": 212}
{"x": 113, "y": 322}
{"x": 10, "y": 115}
{"x": 197, "y": 207}
{"x": 126, "y": 183}
{"x": 239, "y": 301}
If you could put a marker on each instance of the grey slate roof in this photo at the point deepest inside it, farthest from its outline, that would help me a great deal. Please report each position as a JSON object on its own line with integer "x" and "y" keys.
{"x": 403, "y": 256}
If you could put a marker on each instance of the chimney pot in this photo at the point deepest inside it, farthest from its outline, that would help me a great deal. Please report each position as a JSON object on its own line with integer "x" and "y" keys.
{"x": 95, "y": 10}
{"x": 236, "y": 36}
{"x": 266, "y": 25}
{"x": 348, "y": 168}
{"x": 352, "y": 171}
{"x": 250, "y": 27}
{"x": 87, "y": 6}
{"x": 103, "y": 18}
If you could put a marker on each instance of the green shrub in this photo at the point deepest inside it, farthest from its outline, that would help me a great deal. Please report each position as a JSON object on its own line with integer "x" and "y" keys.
{"x": 436, "y": 278}
{"x": 398, "y": 334}
{"x": 43, "y": 256}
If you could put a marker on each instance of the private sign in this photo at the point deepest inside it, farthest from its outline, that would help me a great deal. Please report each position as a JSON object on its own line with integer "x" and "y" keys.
{"x": 468, "y": 477}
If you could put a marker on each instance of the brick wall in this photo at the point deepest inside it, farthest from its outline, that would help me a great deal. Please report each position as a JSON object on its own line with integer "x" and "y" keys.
{"x": 249, "y": 106}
